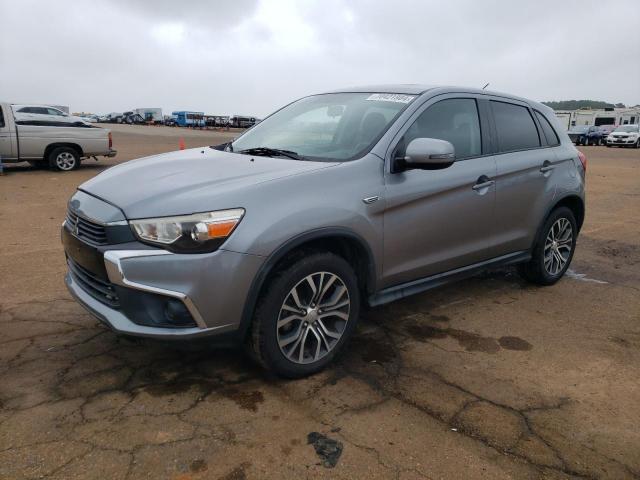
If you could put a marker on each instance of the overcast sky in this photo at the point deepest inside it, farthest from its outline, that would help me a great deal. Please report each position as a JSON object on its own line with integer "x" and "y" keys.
{"x": 250, "y": 56}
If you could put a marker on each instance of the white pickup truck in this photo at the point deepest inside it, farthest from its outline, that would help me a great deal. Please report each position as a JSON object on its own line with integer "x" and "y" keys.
{"x": 48, "y": 143}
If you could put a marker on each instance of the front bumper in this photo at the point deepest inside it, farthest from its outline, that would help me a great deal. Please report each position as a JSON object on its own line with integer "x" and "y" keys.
{"x": 213, "y": 287}
{"x": 621, "y": 141}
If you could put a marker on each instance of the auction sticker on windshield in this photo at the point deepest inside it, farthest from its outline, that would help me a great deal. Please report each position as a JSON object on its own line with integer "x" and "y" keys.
{"x": 390, "y": 97}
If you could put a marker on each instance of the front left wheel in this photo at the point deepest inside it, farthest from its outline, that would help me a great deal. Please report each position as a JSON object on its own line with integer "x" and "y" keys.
{"x": 306, "y": 315}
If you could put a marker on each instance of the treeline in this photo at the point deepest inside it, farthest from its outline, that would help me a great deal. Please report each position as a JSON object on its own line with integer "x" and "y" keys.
{"x": 577, "y": 104}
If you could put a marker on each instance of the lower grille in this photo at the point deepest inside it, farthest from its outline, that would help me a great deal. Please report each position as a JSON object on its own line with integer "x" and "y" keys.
{"x": 99, "y": 289}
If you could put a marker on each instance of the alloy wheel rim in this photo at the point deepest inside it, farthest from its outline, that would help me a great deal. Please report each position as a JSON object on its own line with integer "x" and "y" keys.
{"x": 65, "y": 161}
{"x": 558, "y": 246}
{"x": 313, "y": 317}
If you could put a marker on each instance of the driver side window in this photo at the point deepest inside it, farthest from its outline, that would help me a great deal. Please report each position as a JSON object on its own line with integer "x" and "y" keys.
{"x": 455, "y": 120}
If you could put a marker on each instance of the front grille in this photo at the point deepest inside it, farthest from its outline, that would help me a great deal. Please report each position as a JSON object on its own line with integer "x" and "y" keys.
{"x": 90, "y": 232}
{"x": 101, "y": 290}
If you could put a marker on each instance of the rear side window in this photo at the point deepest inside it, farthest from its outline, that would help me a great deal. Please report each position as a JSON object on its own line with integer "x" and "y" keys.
{"x": 547, "y": 129}
{"x": 1, "y": 118}
{"x": 515, "y": 127}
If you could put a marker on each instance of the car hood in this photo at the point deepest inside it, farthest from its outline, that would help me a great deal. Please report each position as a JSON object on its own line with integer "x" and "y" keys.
{"x": 190, "y": 181}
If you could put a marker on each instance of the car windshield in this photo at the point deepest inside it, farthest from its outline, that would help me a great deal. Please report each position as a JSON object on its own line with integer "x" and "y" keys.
{"x": 627, "y": 129}
{"x": 329, "y": 127}
{"x": 582, "y": 129}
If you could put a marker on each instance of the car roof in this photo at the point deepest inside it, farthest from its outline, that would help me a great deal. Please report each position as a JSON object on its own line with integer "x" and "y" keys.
{"x": 418, "y": 89}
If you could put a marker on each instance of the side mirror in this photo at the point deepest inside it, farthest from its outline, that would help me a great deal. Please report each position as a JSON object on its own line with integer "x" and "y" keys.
{"x": 429, "y": 154}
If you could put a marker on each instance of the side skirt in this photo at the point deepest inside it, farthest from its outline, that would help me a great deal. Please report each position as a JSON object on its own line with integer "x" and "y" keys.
{"x": 416, "y": 286}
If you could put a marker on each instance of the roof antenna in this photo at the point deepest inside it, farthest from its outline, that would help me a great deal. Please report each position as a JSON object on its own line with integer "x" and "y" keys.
{"x": 485, "y": 86}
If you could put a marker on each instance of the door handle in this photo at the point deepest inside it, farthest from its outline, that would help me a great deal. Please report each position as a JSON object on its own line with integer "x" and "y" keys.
{"x": 483, "y": 182}
{"x": 480, "y": 186}
{"x": 547, "y": 167}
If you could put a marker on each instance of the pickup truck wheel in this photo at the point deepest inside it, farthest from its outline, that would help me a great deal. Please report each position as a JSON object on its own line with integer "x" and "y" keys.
{"x": 306, "y": 316}
{"x": 64, "y": 159}
{"x": 553, "y": 250}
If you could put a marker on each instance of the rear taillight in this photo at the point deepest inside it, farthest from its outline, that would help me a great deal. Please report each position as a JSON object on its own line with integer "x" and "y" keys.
{"x": 110, "y": 141}
{"x": 583, "y": 160}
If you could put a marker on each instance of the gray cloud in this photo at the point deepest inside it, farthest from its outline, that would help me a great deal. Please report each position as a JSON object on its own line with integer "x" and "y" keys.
{"x": 253, "y": 56}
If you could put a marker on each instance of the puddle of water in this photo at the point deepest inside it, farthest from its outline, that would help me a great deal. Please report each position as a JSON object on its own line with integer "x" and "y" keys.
{"x": 471, "y": 342}
{"x": 246, "y": 400}
{"x": 514, "y": 343}
{"x": 373, "y": 349}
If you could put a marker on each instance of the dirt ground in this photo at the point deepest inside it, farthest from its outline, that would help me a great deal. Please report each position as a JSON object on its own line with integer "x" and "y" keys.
{"x": 489, "y": 378}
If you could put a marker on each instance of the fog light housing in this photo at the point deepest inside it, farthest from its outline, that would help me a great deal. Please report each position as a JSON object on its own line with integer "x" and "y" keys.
{"x": 177, "y": 314}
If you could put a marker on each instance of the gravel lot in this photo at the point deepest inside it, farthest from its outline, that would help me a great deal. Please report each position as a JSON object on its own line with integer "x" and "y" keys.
{"x": 488, "y": 378}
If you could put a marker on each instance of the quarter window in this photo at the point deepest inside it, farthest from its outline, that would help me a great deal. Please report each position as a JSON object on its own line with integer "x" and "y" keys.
{"x": 515, "y": 127}
{"x": 1, "y": 118}
{"x": 455, "y": 120}
{"x": 549, "y": 132}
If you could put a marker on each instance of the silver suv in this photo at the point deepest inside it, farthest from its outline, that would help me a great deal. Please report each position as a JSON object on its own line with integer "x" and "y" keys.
{"x": 363, "y": 195}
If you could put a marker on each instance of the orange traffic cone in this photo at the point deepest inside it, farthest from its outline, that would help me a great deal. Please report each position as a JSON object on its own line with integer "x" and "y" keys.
{"x": 181, "y": 143}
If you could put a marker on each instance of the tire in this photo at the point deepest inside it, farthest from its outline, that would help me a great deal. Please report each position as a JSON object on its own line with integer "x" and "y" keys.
{"x": 64, "y": 159}
{"x": 542, "y": 272}
{"x": 293, "y": 344}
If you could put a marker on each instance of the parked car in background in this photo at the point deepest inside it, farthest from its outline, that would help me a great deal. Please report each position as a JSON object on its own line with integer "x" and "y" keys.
{"x": 58, "y": 145}
{"x": 373, "y": 194}
{"x": 625, "y": 136}
{"x": 132, "y": 118}
{"x": 44, "y": 115}
{"x": 113, "y": 117}
{"x": 605, "y": 131}
{"x": 586, "y": 135}
{"x": 238, "y": 121}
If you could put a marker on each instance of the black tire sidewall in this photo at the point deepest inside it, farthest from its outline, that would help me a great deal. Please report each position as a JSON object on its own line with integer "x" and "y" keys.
{"x": 265, "y": 334}
{"x": 543, "y": 277}
{"x": 57, "y": 151}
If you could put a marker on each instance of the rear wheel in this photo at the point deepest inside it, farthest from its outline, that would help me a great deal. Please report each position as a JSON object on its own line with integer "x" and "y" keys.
{"x": 64, "y": 159}
{"x": 306, "y": 316}
{"x": 553, "y": 250}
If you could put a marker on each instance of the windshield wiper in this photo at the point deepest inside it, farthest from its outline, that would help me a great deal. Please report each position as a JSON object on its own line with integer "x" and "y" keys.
{"x": 270, "y": 152}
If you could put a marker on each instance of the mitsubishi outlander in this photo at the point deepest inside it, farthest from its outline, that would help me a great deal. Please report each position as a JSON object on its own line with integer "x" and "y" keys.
{"x": 357, "y": 196}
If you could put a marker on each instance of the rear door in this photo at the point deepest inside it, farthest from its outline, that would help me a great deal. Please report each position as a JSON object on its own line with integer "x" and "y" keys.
{"x": 439, "y": 220}
{"x": 525, "y": 180}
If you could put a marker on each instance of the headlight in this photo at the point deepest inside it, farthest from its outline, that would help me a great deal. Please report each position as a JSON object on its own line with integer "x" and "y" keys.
{"x": 197, "y": 233}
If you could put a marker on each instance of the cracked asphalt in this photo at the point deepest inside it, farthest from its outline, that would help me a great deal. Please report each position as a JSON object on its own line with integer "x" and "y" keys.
{"x": 488, "y": 378}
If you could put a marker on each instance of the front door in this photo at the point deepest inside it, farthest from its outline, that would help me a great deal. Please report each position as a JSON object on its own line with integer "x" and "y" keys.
{"x": 440, "y": 220}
